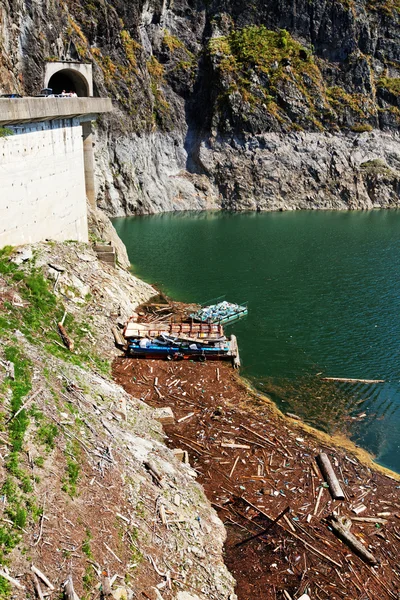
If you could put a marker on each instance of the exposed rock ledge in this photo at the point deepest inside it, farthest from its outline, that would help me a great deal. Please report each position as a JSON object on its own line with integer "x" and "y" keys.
{"x": 270, "y": 171}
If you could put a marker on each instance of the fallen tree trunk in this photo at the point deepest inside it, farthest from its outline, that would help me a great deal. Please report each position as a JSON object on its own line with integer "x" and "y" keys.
{"x": 68, "y": 342}
{"x": 341, "y": 527}
{"x": 329, "y": 476}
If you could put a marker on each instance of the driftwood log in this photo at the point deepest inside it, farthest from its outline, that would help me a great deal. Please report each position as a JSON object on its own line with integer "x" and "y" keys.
{"x": 329, "y": 476}
{"x": 68, "y": 342}
{"x": 119, "y": 339}
{"x": 350, "y": 380}
{"x": 341, "y": 527}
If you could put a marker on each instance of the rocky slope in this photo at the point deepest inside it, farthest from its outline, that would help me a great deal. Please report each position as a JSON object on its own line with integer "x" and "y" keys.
{"x": 216, "y": 102}
{"x": 88, "y": 484}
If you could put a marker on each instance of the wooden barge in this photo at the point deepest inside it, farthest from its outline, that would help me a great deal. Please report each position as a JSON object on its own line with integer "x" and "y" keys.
{"x": 183, "y": 340}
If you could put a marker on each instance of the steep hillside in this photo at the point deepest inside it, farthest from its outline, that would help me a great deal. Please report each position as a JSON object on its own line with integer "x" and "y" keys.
{"x": 221, "y": 103}
{"x": 87, "y": 482}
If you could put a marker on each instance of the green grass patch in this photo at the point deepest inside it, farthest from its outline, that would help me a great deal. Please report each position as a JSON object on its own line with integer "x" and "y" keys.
{"x": 6, "y": 266}
{"x": 20, "y": 388}
{"x": 377, "y": 166}
{"x": 86, "y": 549}
{"x": 46, "y": 435}
{"x": 38, "y": 319}
{"x": 171, "y": 42}
{"x": 5, "y": 589}
{"x": 72, "y": 469}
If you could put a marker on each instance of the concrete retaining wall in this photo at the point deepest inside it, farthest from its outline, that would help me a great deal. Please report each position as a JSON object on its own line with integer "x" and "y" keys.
{"x": 42, "y": 184}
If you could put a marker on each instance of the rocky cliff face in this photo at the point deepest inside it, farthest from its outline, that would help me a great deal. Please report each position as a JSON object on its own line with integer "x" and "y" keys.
{"x": 269, "y": 105}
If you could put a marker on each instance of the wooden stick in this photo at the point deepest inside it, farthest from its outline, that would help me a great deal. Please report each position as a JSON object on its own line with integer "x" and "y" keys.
{"x": 234, "y": 466}
{"x": 233, "y": 445}
{"x": 341, "y": 527}
{"x": 113, "y": 553}
{"x": 321, "y": 491}
{"x": 24, "y": 404}
{"x": 12, "y": 580}
{"x": 289, "y": 523}
{"x": 41, "y": 524}
{"x": 37, "y": 587}
{"x": 329, "y": 476}
{"x": 185, "y": 417}
{"x": 42, "y": 576}
{"x": 370, "y": 520}
{"x": 159, "y": 394}
{"x": 264, "y": 439}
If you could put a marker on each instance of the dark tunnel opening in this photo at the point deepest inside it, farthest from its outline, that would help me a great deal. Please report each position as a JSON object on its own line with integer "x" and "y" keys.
{"x": 67, "y": 81}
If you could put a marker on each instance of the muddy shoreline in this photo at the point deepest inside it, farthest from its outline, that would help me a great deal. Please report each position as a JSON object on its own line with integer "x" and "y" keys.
{"x": 253, "y": 463}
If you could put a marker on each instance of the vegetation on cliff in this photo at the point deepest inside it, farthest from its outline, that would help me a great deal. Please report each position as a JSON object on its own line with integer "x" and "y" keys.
{"x": 261, "y": 70}
{"x": 329, "y": 71}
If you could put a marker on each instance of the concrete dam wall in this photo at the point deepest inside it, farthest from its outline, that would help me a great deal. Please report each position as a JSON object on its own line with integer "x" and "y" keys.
{"x": 46, "y": 168}
{"x": 42, "y": 183}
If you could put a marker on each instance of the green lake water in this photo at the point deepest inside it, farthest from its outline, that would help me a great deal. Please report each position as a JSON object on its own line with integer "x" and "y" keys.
{"x": 323, "y": 291}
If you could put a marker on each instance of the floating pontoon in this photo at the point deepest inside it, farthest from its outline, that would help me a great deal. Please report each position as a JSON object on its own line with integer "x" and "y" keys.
{"x": 223, "y": 312}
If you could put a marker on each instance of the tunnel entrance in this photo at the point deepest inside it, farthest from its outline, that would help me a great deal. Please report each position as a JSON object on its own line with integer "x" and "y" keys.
{"x": 69, "y": 80}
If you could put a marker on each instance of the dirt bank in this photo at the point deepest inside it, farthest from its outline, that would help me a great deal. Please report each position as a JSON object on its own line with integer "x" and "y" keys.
{"x": 272, "y": 466}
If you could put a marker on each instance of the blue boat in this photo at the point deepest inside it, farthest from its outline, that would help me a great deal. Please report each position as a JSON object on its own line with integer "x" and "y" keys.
{"x": 170, "y": 349}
